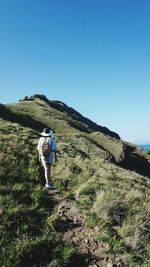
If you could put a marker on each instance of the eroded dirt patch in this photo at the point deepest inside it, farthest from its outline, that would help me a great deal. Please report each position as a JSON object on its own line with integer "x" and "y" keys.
{"x": 89, "y": 252}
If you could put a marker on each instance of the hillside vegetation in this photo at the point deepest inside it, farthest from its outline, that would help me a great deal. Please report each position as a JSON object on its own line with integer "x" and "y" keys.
{"x": 105, "y": 178}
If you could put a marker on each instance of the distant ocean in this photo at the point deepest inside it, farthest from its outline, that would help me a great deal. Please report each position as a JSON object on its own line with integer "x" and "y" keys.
{"x": 146, "y": 147}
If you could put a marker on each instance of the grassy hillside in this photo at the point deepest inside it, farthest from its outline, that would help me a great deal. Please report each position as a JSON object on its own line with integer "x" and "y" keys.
{"x": 94, "y": 172}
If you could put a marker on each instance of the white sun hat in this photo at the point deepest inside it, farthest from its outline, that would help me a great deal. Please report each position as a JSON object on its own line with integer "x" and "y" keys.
{"x": 46, "y": 132}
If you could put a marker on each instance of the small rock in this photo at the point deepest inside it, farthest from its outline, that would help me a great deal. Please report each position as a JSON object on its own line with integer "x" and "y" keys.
{"x": 109, "y": 264}
{"x": 96, "y": 228}
{"x": 75, "y": 220}
{"x": 60, "y": 212}
{"x": 86, "y": 241}
{"x": 117, "y": 259}
{"x": 61, "y": 207}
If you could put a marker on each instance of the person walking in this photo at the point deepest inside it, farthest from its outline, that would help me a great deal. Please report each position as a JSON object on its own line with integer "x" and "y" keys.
{"x": 47, "y": 153}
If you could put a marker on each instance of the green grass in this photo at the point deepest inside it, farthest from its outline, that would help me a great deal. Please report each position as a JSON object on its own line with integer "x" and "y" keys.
{"x": 61, "y": 256}
{"x": 27, "y": 227}
{"x": 114, "y": 199}
{"x": 125, "y": 208}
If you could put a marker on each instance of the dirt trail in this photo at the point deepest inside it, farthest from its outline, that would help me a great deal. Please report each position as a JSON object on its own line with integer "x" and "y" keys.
{"x": 71, "y": 228}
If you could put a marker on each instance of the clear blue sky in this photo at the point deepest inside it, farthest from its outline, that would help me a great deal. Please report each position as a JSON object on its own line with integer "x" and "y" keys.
{"x": 94, "y": 55}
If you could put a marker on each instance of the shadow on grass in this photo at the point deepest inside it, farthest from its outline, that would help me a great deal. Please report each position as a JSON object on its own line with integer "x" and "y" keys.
{"x": 37, "y": 256}
{"x": 134, "y": 162}
{"x": 42, "y": 255}
{"x": 80, "y": 260}
{"x": 23, "y": 120}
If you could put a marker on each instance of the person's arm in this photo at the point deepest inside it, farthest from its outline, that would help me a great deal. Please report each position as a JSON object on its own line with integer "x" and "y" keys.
{"x": 55, "y": 154}
{"x": 39, "y": 149}
{"x": 54, "y": 148}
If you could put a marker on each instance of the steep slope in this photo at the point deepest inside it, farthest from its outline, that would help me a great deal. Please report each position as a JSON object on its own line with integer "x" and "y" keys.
{"x": 92, "y": 174}
{"x": 37, "y": 112}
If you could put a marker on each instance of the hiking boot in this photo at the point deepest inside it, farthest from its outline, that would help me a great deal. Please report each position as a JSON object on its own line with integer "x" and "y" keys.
{"x": 49, "y": 186}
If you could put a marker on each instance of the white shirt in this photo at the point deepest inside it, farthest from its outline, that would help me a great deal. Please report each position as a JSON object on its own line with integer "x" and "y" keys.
{"x": 52, "y": 145}
{"x": 50, "y": 140}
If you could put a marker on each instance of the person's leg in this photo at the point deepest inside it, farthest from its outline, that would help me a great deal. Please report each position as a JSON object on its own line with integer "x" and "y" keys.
{"x": 47, "y": 169}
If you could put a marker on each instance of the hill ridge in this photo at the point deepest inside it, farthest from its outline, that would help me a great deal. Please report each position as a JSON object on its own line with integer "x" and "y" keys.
{"x": 75, "y": 114}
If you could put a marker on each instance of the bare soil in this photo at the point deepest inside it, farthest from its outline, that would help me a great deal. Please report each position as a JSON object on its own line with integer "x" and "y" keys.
{"x": 89, "y": 252}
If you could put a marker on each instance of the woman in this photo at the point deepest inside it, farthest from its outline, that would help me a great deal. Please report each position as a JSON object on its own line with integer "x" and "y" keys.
{"x": 47, "y": 153}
